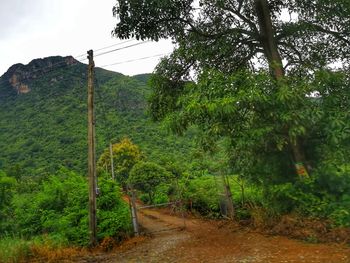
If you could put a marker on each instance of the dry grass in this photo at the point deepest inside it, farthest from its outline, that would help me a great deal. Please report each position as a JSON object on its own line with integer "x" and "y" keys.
{"x": 45, "y": 253}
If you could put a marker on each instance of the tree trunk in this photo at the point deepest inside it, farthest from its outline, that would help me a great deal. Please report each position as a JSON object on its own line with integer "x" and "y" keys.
{"x": 150, "y": 196}
{"x": 242, "y": 194}
{"x": 268, "y": 39}
{"x": 270, "y": 47}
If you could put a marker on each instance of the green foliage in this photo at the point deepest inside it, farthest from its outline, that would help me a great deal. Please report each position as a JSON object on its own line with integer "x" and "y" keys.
{"x": 163, "y": 193}
{"x": 7, "y": 190}
{"x": 14, "y": 250}
{"x": 307, "y": 198}
{"x": 113, "y": 215}
{"x": 247, "y": 109}
{"x": 125, "y": 156}
{"x": 146, "y": 176}
{"x": 59, "y": 207}
{"x": 201, "y": 195}
{"x": 270, "y": 121}
{"x": 53, "y": 133}
{"x": 226, "y": 35}
{"x": 43, "y": 203}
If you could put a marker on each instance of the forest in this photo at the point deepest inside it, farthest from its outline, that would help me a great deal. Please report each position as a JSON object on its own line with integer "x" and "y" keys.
{"x": 255, "y": 97}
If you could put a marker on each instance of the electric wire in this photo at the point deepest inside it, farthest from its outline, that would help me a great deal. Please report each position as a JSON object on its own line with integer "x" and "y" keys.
{"x": 103, "y": 48}
{"x": 133, "y": 60}
{"x": 121, "y": 48}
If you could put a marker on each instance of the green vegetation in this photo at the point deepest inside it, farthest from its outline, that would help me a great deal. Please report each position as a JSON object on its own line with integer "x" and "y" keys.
{"x": 58, "y": 207}
{"x": 53, "y": 214}
{"x": 14, "y": 250}
{"x": 146, "y": 176}
{"x": 125, "y": 156}
{"x": 264, "y": 88}
{"x": 45, "y": 129}
{"x": 267, "y": 107}
{"x": 43, "y": 190}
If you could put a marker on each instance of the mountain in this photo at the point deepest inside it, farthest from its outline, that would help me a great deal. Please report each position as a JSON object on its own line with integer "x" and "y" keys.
{"x": 43, "y": 123}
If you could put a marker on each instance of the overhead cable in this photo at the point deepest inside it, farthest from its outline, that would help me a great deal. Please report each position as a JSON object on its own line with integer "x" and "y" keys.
{"x": 137, "y": 59}
{"x": 121, "y": 48}
{"x": 103, "y": 48}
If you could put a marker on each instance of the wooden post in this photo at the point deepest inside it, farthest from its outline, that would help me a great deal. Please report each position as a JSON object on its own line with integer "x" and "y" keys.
{"x": 228, "y": 197}
{"x": 135, "y": 222}
{"x": 91, "y": 151}
{"x": 111, "y": 155}
{"x": 180, "y": 200}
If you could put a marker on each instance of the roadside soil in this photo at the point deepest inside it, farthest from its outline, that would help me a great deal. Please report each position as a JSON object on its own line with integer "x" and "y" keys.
{"x": 165, "y": 240}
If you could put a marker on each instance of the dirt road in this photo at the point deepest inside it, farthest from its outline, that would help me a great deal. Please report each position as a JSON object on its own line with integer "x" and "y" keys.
{"x": 213, "y": 241}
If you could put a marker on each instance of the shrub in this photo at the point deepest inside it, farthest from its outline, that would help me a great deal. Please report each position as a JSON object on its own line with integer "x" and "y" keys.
{"x": 202, "y": 196}
{"x": 60, "y": 208}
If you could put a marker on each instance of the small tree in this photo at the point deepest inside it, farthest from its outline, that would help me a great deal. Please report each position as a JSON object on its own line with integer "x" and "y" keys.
{"x": 146, "y": 176}
{"x": 125, "y": 156}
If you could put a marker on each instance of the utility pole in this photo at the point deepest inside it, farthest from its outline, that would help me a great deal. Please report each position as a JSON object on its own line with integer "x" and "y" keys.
{"x": 111, "y": 155}
{"x": 91, "y": 151}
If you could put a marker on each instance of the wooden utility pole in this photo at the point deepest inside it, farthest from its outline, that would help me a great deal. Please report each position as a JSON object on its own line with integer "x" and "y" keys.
{"x": 111, "y": 155}
{"x": 91, "y": 154}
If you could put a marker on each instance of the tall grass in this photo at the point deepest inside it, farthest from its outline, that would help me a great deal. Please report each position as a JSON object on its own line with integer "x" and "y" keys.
{"x": 14, "y": 250}
{"x": 46, "y": 248}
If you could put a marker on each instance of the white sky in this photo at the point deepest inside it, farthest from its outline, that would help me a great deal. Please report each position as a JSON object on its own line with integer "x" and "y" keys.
{"x": 40, "y": 28}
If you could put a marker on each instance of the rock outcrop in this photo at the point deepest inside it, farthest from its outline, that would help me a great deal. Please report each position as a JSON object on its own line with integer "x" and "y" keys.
{"x": 19, "y": 76}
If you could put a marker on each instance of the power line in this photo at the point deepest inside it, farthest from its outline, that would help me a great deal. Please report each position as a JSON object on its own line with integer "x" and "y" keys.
{"x": 117, "y": 49}
{"x": 137, "y": 59}
{"x": 103, "y": 48}
{"x": 117, "y": 44}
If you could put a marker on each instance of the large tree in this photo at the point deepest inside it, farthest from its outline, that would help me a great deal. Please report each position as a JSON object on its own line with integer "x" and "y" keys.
{"x": 289, "y": 39}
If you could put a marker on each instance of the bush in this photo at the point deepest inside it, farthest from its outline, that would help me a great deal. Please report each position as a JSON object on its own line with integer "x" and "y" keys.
{"x": 201, "y": 195}
{"x": 306, "y": 199}
{"x": 146, "y": 177}
{"x": 60, "y": 208}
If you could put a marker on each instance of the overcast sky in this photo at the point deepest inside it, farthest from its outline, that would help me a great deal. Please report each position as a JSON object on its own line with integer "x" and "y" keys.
{"x": 39, "y": 28}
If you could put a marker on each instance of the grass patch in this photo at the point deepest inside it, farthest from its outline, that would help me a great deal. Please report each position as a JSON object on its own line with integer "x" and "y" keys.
{"x": 14, "y": 250}
{"x": 46, "y": 248}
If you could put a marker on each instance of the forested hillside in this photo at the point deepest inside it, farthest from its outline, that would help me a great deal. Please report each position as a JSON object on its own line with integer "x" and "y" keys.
{"x": 44, "y": 116}
{"x": 246, "y": 119}
{"x": 43, "y": 152}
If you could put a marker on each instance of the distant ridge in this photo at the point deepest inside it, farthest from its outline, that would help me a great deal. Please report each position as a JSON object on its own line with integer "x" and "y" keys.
{"x": 18, "y": 76}
{"x": 43, "y": 124}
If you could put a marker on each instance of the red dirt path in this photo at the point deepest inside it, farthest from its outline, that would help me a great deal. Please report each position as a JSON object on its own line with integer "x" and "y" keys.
{"x": 214, "y": 241}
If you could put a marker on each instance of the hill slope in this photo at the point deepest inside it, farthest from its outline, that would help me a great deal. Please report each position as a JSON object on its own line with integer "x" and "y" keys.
{"x": 43, "y": 109}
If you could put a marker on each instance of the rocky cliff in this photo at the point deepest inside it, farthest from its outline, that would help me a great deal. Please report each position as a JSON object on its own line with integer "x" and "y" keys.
{"x": 19, "y": 76}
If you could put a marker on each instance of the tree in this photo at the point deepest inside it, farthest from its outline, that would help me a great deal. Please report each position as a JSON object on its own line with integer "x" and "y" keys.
{"x": 146, "y": 176}
{"x": 125, "y": 156}
{"x": 226, "y": 36}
